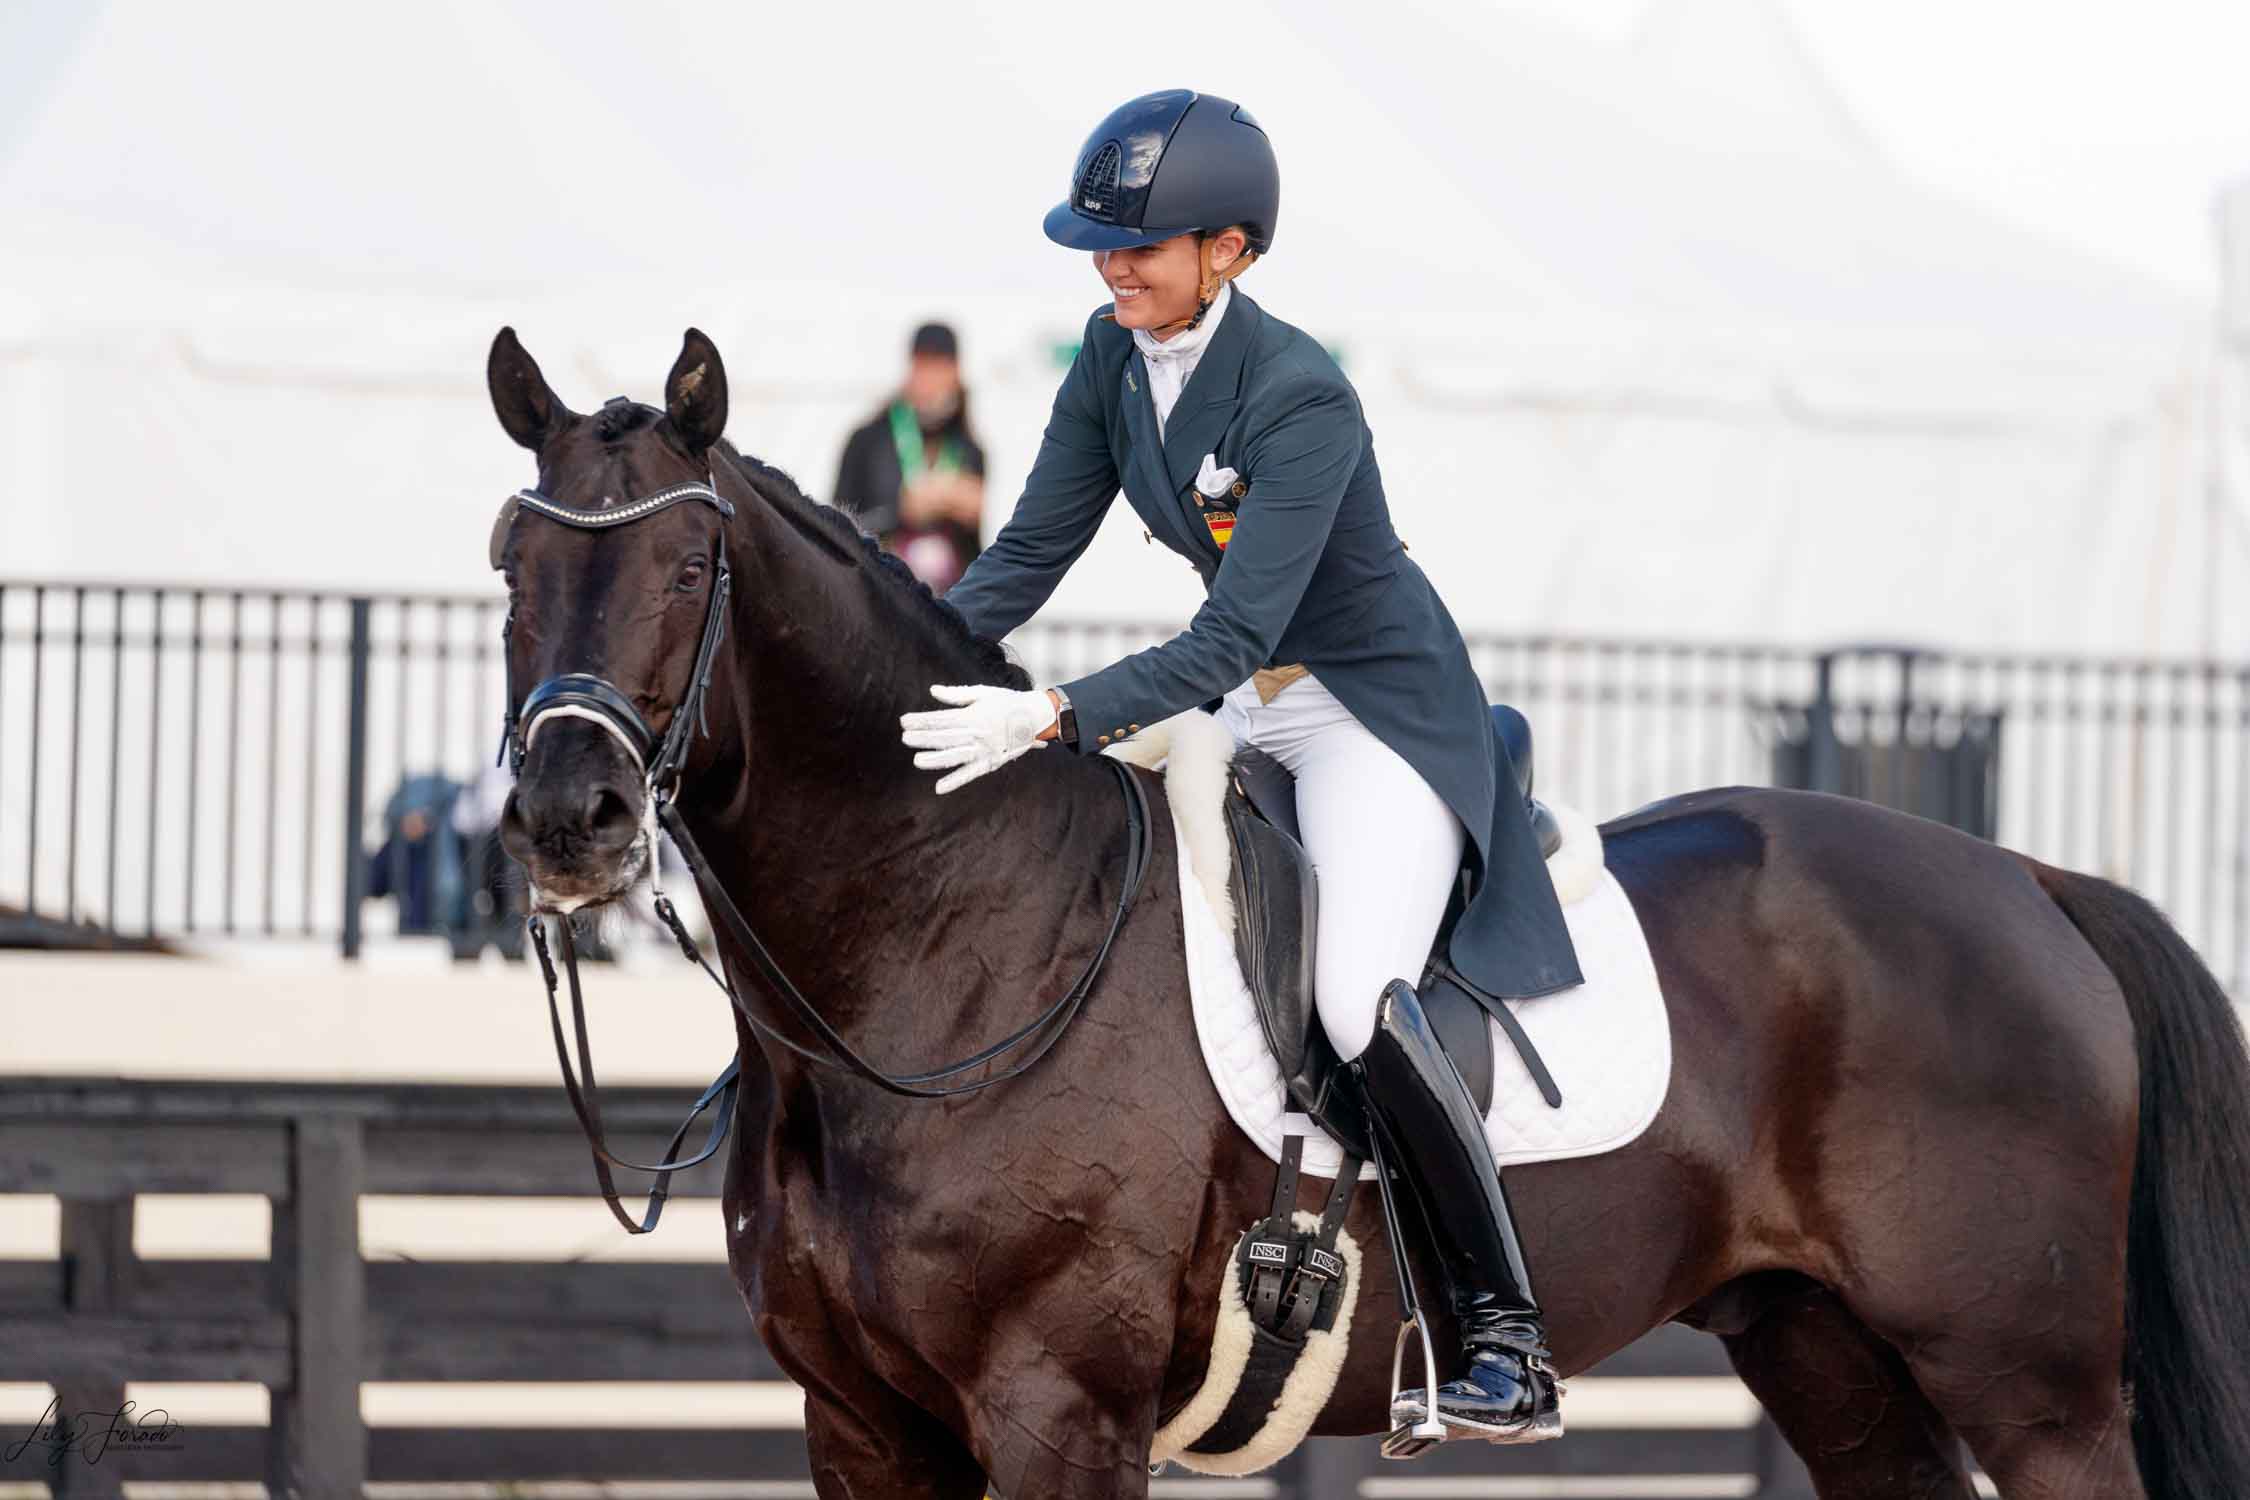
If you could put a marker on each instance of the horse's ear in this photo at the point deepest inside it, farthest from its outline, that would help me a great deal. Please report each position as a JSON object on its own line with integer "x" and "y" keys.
{"x": 529, "y": 411}
{"x": 695, "y": 393}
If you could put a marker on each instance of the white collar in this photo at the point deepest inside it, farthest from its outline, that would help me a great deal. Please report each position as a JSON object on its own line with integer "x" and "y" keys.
{"x": 1188, "y": 345}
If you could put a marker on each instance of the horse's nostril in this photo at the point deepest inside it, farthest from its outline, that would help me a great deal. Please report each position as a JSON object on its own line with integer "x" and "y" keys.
{"x": 609, "y": 822}
{"x": 564, "y": 825}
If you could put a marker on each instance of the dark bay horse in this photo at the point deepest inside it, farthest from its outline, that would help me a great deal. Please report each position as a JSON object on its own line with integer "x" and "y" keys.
{"x": 1956, "y": 1142}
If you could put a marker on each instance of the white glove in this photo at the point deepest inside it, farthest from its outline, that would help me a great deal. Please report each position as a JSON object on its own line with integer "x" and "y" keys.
{"x": 990, "y": 727}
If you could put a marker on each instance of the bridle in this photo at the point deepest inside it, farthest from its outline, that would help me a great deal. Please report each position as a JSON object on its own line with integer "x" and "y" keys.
{"x": 584, "y": 695}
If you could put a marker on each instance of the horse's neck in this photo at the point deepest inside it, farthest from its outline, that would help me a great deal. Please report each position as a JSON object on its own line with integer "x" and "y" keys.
{"x": 832, "y": 649}
{"x": 921, "y": 927}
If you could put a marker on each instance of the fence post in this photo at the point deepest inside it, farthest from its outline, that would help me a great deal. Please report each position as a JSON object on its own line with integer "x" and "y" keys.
{"x": 317, "y": 1445}
{"x": 97, "y": 1254}
{"x": 355, "y": 778}
{"x": 1824, "y": 757}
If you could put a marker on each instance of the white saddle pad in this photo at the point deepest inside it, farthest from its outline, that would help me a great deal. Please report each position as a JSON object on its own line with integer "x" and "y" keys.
{"x": 1608, "y": 1042}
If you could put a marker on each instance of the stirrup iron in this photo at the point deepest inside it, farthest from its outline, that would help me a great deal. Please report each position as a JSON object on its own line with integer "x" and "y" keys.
{"x": 1542, "y": 1426}
{"x": 1409, "y": 1438}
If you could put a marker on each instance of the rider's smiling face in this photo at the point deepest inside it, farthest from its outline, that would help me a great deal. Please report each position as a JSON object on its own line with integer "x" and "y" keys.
{"x": 1156, "y": 285}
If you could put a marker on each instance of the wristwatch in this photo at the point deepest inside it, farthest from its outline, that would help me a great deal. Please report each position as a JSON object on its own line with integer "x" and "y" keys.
{"x": 1066, "y": 719}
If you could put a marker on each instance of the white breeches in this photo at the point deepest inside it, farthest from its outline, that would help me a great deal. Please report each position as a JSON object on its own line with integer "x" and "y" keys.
{"x": 1386, "y": 848}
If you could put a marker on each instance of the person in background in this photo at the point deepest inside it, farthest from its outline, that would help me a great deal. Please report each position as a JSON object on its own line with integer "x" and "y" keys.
{"x": 913, "y": 474}
{"x": 493, "y": 905}
{"x": 419, "y": 864}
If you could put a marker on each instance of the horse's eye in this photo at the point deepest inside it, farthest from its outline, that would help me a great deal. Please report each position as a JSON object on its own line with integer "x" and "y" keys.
{"x": 691, "y": 576}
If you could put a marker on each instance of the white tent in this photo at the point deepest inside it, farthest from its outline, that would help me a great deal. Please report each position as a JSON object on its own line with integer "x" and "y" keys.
{"x": 1652, "y": 339}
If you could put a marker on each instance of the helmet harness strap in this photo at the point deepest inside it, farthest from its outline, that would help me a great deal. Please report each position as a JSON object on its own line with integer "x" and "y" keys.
{"x": 1211, "y": 279}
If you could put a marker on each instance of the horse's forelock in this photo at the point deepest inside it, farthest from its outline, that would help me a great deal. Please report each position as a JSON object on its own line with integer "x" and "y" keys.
{"x": 620, "y": 419}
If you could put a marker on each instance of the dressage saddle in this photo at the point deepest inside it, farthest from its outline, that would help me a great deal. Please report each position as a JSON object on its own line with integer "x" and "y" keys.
{"x": 1276, "y": 903}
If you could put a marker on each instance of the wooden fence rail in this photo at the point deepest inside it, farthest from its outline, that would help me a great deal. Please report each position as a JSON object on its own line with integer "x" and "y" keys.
{"x": 315, "y": 1320}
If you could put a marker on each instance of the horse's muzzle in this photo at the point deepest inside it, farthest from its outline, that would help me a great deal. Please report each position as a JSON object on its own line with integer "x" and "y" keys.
{"x": 573, "y": 820}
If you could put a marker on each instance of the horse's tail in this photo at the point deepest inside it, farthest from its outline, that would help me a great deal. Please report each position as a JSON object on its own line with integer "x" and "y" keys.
{"x": 2187, "y": 1355}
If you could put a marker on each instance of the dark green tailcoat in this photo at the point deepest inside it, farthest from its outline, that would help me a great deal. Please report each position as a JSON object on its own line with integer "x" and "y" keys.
{"x": 1312, "y": 573}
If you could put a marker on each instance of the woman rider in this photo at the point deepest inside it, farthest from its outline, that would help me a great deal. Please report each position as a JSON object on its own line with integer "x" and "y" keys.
{"x": 1241, "y": 445}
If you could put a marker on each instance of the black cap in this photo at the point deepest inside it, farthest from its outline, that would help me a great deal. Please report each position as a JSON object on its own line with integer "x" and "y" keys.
{"x": 1167, "y": 164}
{"x": 935, "y": 339}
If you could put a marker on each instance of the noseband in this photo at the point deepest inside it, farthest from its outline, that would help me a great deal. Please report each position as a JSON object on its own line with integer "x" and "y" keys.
{"x": 582, "y": 695}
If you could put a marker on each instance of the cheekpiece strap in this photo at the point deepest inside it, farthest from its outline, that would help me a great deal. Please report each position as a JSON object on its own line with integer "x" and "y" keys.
{"x": 620, "y": 515}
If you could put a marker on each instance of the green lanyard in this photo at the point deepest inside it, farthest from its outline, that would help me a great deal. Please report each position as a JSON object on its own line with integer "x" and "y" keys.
{"x": 906, "y": 435}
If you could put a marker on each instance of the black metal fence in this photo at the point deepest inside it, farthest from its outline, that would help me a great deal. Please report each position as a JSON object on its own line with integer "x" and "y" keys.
{"x": 194, "y": 761}
{"x": 2131, "y": 768}
{"x": 189, "y": 761}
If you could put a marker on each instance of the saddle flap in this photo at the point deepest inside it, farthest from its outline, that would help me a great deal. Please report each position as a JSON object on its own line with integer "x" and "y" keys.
{"x": 1276, "y": 905}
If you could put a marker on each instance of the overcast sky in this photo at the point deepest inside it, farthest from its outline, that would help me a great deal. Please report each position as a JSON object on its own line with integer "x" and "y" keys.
{"x": 2109, "y": 124}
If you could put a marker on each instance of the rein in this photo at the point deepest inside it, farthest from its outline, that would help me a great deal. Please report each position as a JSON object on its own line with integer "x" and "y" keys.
{"x": 584, "y": 695}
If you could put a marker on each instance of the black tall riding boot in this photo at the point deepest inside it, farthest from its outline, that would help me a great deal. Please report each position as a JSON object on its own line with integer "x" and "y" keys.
{"x": 1507, "y": 1393}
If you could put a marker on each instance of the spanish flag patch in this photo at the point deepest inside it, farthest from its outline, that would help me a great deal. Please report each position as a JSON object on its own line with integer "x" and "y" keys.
{"x": 1221, "y": 523}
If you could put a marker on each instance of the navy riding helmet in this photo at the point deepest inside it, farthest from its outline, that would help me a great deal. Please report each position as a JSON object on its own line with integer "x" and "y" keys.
{"x": 1168, "y": 164}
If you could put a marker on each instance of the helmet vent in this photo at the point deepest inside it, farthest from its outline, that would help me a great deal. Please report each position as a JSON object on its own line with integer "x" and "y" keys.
{"x": 1096, "y": 194}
